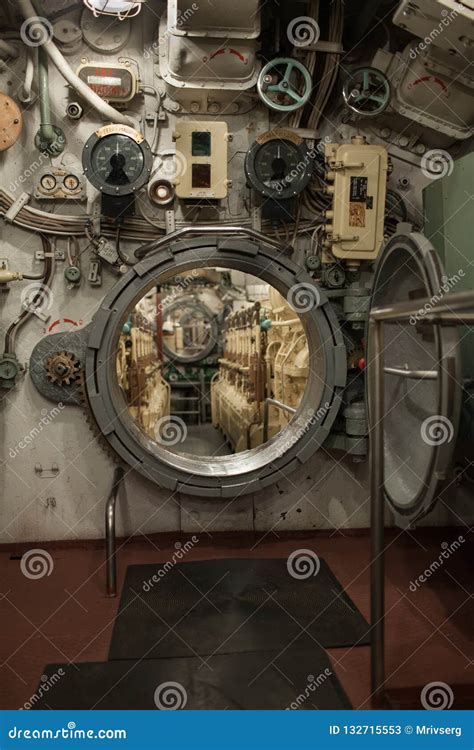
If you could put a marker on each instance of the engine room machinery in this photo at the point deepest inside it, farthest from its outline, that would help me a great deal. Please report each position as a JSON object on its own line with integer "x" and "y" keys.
{"x": 200, "y": 208}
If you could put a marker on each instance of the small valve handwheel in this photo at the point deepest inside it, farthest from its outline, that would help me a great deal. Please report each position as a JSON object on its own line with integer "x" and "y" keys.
{"x": 367, "y": 92}
{"x": 284, "y": 84}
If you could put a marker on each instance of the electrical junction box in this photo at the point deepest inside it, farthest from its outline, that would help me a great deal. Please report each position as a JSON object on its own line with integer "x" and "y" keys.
{"x": 201, "y": 159}
{"x": 357, "y": 176}
{"x": 447, "y": 24}
{"x": 116, "y": 82}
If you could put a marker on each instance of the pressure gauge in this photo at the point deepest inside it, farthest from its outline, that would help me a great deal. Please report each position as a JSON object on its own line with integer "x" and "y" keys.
{"x": 117, "y": 161}
{"x": 48, "y": 182}
{"x": 278, "y": 164}
{"x": 71, "y": 182}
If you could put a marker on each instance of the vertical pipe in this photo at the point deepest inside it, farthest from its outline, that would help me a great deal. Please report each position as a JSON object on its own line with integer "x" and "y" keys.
{"x": 377, "y": 564}
{"x": 110, "y": 555}
{"x": 47, "y": 132}
{"x": 159, "y": 324}
{"x": 266, "y": 415}
{"x": 203, "y": 394}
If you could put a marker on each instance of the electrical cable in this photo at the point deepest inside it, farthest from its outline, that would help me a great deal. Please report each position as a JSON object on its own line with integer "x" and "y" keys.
{"x": 38, "y": 298}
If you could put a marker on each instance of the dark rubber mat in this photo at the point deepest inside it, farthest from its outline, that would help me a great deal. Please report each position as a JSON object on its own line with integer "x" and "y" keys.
{"x": 294, "y": 679}
{"x": 231, "y": 606}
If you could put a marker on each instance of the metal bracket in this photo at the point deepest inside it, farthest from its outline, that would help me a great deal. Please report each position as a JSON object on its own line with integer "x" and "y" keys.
{"x": 47, "y": 473}
{"x": 208, "y": 229}
{"x": 170, "y": 220}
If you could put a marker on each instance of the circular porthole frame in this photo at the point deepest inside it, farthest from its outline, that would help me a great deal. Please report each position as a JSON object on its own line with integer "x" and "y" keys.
{"x": 241, "y": 473}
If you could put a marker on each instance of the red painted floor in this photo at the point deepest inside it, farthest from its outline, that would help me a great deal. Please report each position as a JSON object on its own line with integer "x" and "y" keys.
{"x": 65, "y": 616}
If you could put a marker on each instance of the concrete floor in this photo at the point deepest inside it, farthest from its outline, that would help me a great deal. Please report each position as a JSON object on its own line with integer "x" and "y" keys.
{"x": 66, "y": 616}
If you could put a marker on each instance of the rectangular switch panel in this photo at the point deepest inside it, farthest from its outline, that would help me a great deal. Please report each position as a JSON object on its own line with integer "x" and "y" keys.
{"x": 357, "y": 181}
{"x": 201, "y": 159}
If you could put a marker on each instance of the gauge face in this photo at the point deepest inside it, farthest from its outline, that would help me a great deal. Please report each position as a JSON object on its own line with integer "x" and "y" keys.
{"x": 117, "y": 163}
{"x": 278, "y": 167}
{"x": 48, "y": 182}
{"x": 71, "y": 182}
{"x": 117, "y": 160}
{"x": 275, "y": 162}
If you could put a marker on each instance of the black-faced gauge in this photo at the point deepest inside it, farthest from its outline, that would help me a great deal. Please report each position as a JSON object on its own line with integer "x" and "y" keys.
{"x": 117, "y": 160}
{"x": 279, "y": 165}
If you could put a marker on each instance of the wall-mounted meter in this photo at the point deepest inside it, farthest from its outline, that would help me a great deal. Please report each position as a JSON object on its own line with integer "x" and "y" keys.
{"x": 117, "y": 160}
{"x": 279, "y": 165}
{"x": 115, "y": 83}
{"x": 201, "y": 158}
{"x": 60, "y": 183}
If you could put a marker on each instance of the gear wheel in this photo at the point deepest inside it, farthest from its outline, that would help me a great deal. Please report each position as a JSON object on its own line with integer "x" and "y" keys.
{"x": 93, "y": 426}
{"x": 62, "y": 368}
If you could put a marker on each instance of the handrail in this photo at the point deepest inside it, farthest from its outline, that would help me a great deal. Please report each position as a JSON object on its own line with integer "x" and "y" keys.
{"x": 266, "y": 410}
{"x": 455, "y": 309}
{"x": 212, "y": 229}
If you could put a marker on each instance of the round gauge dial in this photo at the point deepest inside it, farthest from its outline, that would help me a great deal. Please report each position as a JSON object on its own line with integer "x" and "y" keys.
{"x": 48, "y": 182}
{"x": 117, "y": 160}
{"x": 279, "y": 165}
{"x": 275, "y": 161}
{"x": 71, "y": 182}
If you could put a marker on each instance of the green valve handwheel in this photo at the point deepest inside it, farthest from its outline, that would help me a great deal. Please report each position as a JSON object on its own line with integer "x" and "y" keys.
{"x": 284, "y": 84}
{"x": 367, "y": 92}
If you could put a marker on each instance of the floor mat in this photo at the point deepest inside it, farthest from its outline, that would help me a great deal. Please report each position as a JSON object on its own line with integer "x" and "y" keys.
{"x": 294, "y": 679}
{"x": 231, "y": 606}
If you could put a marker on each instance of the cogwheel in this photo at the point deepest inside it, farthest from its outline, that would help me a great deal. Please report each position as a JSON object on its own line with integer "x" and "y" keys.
{"x": 93, "y": 426}
{"x": 62, "y": 368}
